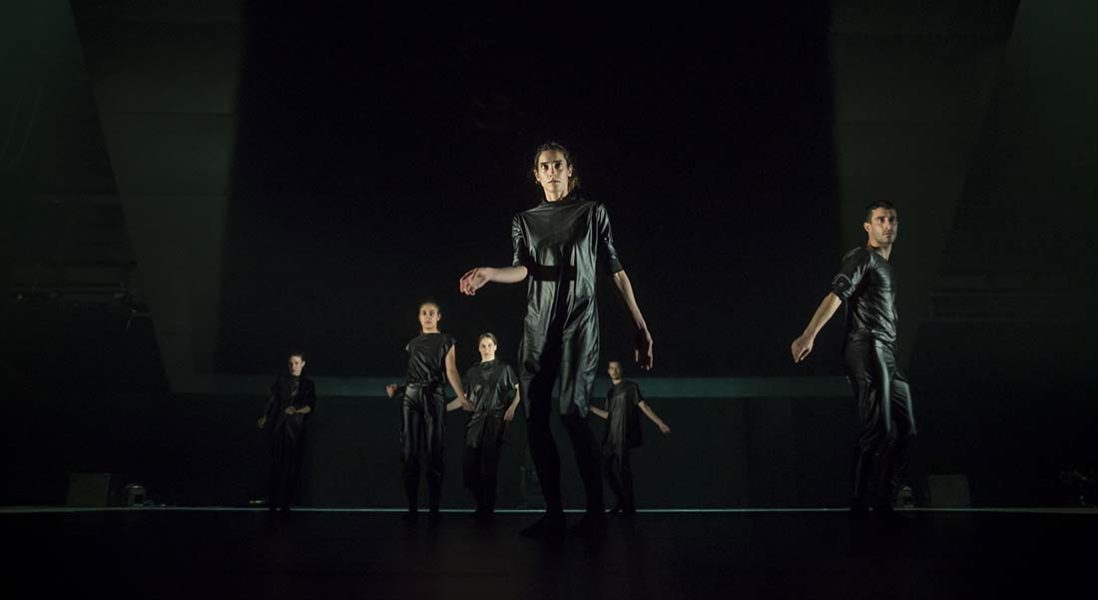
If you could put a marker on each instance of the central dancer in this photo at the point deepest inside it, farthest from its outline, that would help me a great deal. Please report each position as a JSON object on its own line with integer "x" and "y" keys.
{"x": 557, "y": 247}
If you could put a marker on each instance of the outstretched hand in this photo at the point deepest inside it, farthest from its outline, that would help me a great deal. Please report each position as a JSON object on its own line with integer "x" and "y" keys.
{"x": 473, "y": 280}
{"x": 801, "y": 347}
{"x": 642, "y": 352}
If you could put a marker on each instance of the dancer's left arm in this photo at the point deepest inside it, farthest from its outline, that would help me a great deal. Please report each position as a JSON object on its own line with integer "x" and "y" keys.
{"x": 455, "y": 381}
{"x": 651, "y": 414}
{"x": 643, "y": 338}
{"x": 510, "y": 414}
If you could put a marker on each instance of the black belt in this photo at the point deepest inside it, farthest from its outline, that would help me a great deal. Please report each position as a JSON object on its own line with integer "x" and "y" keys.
{"x": 552, "y": 272}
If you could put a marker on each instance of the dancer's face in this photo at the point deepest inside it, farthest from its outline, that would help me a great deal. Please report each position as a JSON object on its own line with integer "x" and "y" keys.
{"x": 429, "y": 316}
{"x": 614, "y": 370}
{"x": 487, "y": 349}
{"x": 553, "y": 173}
{"x": 296, "y": 364}
{"x": 883, "y": 227}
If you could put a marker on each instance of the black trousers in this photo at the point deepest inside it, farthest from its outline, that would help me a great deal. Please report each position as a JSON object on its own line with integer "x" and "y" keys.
{"x": 619, "y": 474}
{"x": 287, "y": 449}
{"x": 481, "y": 459}
{"x": 422, "y": 439}
{"x": 536, "y": 386}
{"x": 887, "y": 421}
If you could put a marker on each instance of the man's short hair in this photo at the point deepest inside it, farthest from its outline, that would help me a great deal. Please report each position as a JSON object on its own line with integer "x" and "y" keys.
{"x": 872, "y": 206}
{"x": 298, "y": 353}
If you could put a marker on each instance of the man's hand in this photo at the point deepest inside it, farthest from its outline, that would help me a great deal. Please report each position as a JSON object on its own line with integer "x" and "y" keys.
{"x": 642, "y": 352}
{"x": 510, "y": 414}
{"x": 474, "y": 279}
{"x": 465, "y": 404}
{"x": 664, "y": 429}
{"x": 391, "y": 390}
{"x": 262, "y": 422}
{"x": 801, "y": 347}
{"x": 291, "y": 410}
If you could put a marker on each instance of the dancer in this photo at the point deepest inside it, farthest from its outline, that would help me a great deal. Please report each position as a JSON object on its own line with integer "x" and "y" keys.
{"x": 557, "y": 247}
{"x": 494, "y": 393}
{"x": 867, "y": 284}
{"x": 431, "y": 361}
{"x": 624, "y": 403}
{"x": 293, "y": 397}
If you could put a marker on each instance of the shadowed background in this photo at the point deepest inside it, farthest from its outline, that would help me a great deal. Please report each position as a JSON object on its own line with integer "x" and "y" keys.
{"x": 196, "y": 187}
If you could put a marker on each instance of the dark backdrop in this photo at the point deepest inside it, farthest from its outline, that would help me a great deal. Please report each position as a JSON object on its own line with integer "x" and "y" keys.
{"x": 380, "y": 156}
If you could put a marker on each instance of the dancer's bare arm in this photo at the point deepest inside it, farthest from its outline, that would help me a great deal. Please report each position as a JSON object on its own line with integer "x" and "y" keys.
{"x": 510, "y": 414}
{"x": 476, "y": 278}
{"x": 455, "y": 379}
{"x": 642, "y": 352}
{"x": 802, "y": 346}
{"x": 651, "y": 414}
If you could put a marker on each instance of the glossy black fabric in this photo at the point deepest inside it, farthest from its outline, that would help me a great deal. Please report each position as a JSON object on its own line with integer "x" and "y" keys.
{"x": 561, "y": 244}
{"x": 427, "y": 357}
{"x": 490, "y": 386}
{"x": 623, "y": 424}
{"x": 422, "y": 416}
{"x": 286, "y": 436}
{"x": 867, "y": 286}
{"x": 887, "y": 420}
{"x": 480, "y": 464}
{"x": 619, "y": 474}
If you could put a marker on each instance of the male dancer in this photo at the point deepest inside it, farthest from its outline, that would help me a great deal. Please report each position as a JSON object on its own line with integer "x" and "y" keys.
{"x": 293, "y": 396}
{"x": 624, "y": 403}
{"x": 557, "y": 247}
{"x": 494, "y": 392}
{"x": 866, "y": 284}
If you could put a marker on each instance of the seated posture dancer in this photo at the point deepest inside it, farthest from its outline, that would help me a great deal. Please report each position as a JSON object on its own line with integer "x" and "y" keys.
{"x": 431, "y": 361}
{"x": 558, "y": 245}
{"x": 493, "y": 391}
{"x": 867, "y": 285}
{"x": 624, "y": 403}
{"x": 293, "y": 397}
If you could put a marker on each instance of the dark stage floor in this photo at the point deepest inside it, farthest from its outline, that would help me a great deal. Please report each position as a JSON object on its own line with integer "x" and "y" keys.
{"x": 215, "y": 553}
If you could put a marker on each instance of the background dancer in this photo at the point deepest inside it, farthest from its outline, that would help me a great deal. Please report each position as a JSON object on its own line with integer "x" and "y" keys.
{"x": 293, "y": 397}
{"x": 867, "y": 284}
{"x": 624, "y": 403}
{"x": 494, "y": 393}
{"x": 557, "y": 247}
{"x": 431, "y": 361}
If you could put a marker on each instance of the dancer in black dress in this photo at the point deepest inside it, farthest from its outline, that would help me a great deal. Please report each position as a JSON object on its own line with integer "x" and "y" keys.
{"x": 293, "y": 397}
{"x": 558, "y": 246}
{"x": 494, "y": 393}
{"x": 431, "y": 362}
{"x": 866, "y": 283}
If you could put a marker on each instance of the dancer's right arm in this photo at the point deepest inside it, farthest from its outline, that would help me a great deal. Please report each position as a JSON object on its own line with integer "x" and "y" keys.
{"x": 474, "y": 279}
{"x": 802, "y": 346}
{"x": 599, "y": 412}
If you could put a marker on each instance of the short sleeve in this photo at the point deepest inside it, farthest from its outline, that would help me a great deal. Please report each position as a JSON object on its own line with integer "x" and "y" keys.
{"x": 447, "y": 343}
{"x": 310, "y": 395}
{"x": 510, "y": 377}
{"x": 850, "y": 274}
{"x": 607, "y": 253}
{"x": 637, "y": 396}
{"x": 519, "y": 242}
